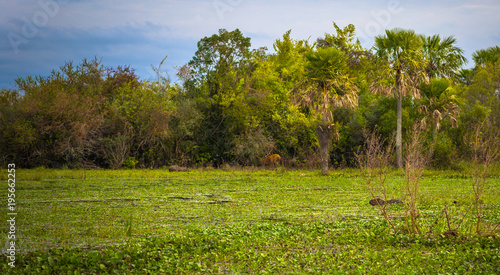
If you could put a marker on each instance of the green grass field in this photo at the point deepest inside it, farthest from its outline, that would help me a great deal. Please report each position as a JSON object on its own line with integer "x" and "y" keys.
{"x": 242, "y": 222}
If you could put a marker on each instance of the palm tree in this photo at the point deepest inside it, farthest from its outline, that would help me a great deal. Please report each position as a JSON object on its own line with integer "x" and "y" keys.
{"x": 443, "y": 57}
{"x": 438, "y": 102}
{"x": 329, "y": 87}
{"x": 403, "y": 50}
{"x": 481, "y": 57}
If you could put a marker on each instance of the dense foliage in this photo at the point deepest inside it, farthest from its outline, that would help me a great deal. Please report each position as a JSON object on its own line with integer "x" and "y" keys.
{"x": 234, "y": 105}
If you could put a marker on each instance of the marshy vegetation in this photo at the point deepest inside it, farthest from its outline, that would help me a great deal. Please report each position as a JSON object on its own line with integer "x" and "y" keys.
{"x": 237, "y": 221}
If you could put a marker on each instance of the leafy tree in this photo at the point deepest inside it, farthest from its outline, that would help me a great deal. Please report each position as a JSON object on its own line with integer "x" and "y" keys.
{"x": 343, "y": 39}
{"x": 118, "y": 77}
{"x": 220, "y": 62}
{"x": 83, "y": 115}
{"x": 289, "y": 60}
{"x": 61, "y": 114}
{"x": 484, "y": 92}
{"x": 481, "y": 97}
{"x": 222, "y": 68}
{"x": 137, "y": 123}
{"x": 442, "y": 55}
{"x": 403, "y": 50}
{"x": 184, "y": 124}
{"x": 9, "y": 100}
{"x": 278, "y": 78}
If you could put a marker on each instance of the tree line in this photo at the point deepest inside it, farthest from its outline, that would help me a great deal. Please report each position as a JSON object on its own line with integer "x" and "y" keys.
{"x": 309, "y": 102}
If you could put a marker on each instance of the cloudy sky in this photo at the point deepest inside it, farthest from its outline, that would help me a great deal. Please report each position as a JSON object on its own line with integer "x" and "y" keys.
{"x": 38, "y": 36}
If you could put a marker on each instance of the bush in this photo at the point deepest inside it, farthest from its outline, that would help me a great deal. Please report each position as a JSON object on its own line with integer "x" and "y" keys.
{"x": 445, "y": 153}
{"x": 250, "y": 148}
{"x": 130, "y": 163}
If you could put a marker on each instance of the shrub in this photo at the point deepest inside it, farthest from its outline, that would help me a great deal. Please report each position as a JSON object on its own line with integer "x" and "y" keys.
{"x": 445, "y": 152}
{"x": 130, "y": 162}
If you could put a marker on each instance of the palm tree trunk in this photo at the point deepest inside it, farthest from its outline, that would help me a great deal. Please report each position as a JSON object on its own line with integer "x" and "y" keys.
{"x": 324, "y": 138}
{"x": 434, "y": 134}
{"x": 399, "y": 121}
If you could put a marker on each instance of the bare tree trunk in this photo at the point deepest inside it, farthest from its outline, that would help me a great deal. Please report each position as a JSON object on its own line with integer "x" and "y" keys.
{"x": 399, "y": 121}
{"x": 324, "y": 138}
{"x": 434, "y": 134}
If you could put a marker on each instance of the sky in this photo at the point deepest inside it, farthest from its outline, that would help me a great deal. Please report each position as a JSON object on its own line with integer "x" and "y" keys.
{"x": 38, "y": 36}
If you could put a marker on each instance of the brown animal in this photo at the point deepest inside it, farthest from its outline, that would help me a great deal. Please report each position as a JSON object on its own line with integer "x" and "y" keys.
{"x": 271, "y": 160}
{"x": 175, "y": 168}
{"x": 379, "y": 201}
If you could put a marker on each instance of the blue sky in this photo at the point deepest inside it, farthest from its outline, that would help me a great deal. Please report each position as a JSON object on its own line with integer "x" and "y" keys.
{"x": 38, "y": 36}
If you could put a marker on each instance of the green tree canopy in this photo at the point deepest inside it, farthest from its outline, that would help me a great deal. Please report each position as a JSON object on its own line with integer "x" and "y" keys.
{"x": 489, "y": 55}
{"x": 444, "y": 58}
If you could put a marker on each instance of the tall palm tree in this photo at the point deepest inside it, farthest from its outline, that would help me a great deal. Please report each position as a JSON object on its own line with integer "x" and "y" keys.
{"x": 403, "y": 50}
{"x": 443, "y": 57}
{"x": 329, "y": 87}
